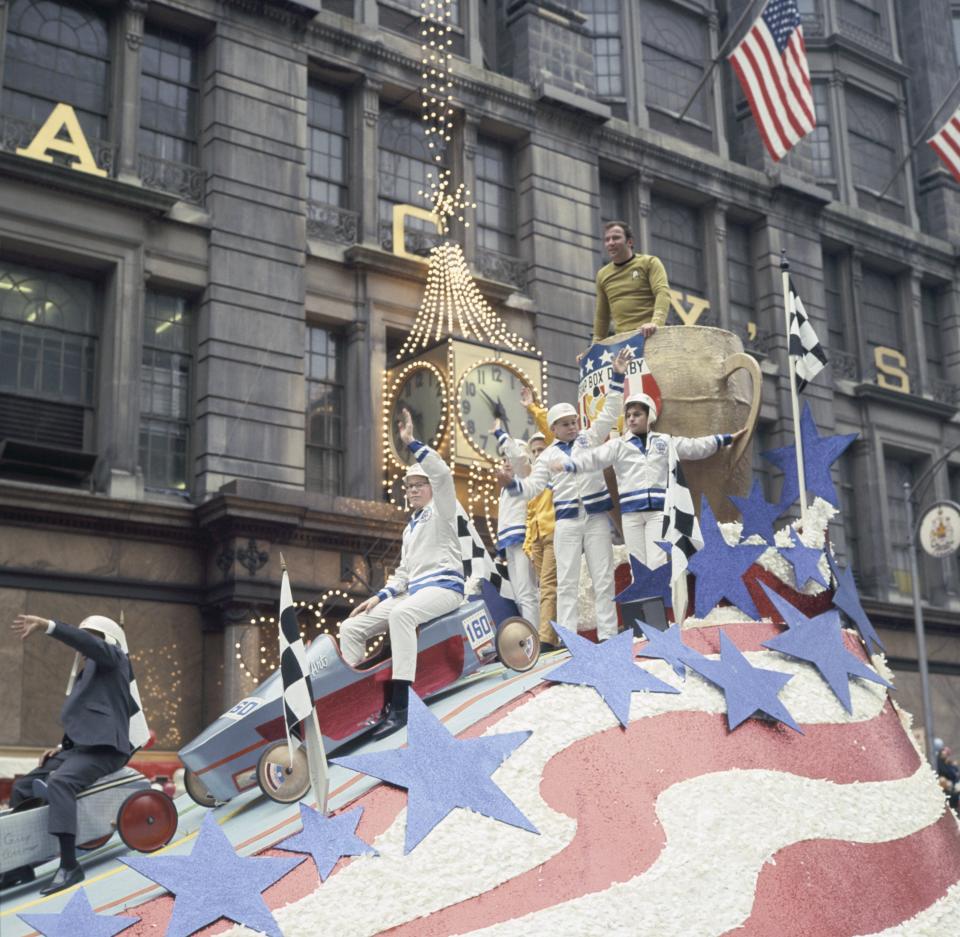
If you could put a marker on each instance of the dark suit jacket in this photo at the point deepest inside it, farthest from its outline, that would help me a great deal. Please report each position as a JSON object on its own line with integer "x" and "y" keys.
{"x": 98, "y": 710}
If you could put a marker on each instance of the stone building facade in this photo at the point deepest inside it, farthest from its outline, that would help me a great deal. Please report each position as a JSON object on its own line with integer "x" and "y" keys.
{"x": 192, "y": 338}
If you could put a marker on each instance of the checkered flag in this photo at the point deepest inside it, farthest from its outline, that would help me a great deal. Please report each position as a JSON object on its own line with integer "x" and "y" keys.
{"x": 808, "y": 355}
{"x": 681, "y": 529}
{"x": 477, "y": 561}
{"x": 294, "y": 669}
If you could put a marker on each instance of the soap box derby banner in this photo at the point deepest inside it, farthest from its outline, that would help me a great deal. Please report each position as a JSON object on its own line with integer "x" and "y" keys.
{"x": 596, "y": 368}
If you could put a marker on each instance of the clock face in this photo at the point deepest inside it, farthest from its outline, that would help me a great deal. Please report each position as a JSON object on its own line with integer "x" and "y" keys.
{"x": 423, "y": 393}
{"x": 486, "y": 392}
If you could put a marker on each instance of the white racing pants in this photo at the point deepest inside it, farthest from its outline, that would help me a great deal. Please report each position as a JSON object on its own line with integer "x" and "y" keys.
{"x": 641, "y": 531}
{"x": 401, "y": 616}
{"x": 523, "y": 578}
{"x": 587, "y": 535}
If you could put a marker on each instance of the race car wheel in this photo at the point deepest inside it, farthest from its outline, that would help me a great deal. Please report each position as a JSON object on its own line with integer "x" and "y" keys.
{"x": 518, "y": 644}
{"x": 197, "y": 790}
{"x": 147, "y": 820}
{"x": 94, "y": 843}
{"x": 280, "y": 781}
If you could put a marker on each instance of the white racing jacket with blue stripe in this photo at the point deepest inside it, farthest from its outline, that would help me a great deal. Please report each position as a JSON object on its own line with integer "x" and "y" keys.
{"x": 430, "y": 555}
{"x": 574, "y": 490}
{"x": 512, "y": 513}
{"x": 642, "y": 467}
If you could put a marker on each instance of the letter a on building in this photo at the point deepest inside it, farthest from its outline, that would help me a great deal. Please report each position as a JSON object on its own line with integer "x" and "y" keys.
{"x": 62, "y": 120}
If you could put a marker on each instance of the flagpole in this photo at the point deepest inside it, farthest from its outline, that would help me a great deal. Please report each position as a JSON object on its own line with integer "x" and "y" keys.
{"x": 794, "y": 397}
{"x": 920, "y": 137}
{"x": 316, "y": 756}
{"x": 716, "y": 59}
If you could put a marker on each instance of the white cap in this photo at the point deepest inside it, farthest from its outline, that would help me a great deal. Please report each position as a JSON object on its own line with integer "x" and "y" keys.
{"x": 111, "y": 631}
{"x": 415, "y": 471}
{"x": 558, "y": 411}
{"x": 646, "y": 400}
{"x": 537, "y": 435}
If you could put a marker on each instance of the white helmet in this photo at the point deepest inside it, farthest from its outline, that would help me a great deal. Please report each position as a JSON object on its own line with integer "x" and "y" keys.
{"x": 558, "y": 411}
{"x": 647, "y": 401}
{"x": 415, "y": 471}
{"x": 111, "y": 631}
{"x": 536, "y": 436}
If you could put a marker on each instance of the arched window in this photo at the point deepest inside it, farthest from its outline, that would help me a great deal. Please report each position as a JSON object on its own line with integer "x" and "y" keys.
{"x": 57, "y": 52}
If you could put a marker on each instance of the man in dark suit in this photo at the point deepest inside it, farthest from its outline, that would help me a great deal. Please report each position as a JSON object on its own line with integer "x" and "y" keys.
{"x": 96, "y": 720}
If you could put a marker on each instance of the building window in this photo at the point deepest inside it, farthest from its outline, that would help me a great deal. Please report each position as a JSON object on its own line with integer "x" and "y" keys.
{"x": 956, "y": 37}
{"x": 677, "y": 239}
{"x": 833, "y": 301}
{"x": 324, "y": 372}
{"x": 740, "y": 277}
{"x": 48, "y": 346}
{"x": 496, "y": 197}
{"x": 603, "y": 20}
{"x": 165, "y": 395}
{"x": 613, "y": 201}
{"x": 168, "y": 96}
{"x": 405, "y": 161}
{"x": 327, "y": 140}
{"x": 881, "y": 310}
{"x": 674, "y": 51}
{"x": 847, "y": 491}
{"x": 863, "y": 15}
{"x": 896, "y": 472}
{"x": 874, "y": 149}
{"x": 813, "y": 154}
{"x": 768, "y": 476}
{"x": 57, "y": 52}
{"x": 932, "y": 336}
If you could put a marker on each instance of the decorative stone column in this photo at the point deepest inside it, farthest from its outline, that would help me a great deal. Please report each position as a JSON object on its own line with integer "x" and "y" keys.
{"x": 365, "y": 163}
{"x": 3, "y": 35}
{"x": 718, "y": 286}
{"x": 360, "y": 424}
{"x": 644, "y": 182}
{"x": 129, "y": 104}
{"x": 716, "y": 91}
{"x": 838, "y": 108}
{"x": 468, "y": 140}
{"x": 241, "y": 654}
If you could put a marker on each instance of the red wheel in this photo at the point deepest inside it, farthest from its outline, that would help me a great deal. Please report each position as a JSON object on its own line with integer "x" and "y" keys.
{"x": 147, "y": 820}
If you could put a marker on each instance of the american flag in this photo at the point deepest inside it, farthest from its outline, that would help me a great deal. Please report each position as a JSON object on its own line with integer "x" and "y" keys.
{"x": 946, "y": 142}
{"x": 771, "y": 63}
{"x": 809, "y": 358}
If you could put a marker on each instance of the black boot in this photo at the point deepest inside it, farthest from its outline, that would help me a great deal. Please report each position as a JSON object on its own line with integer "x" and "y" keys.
{"x": 396, "y": 710}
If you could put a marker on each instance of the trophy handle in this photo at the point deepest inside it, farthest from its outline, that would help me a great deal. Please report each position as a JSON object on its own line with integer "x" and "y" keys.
{"x": 742, "y": 361}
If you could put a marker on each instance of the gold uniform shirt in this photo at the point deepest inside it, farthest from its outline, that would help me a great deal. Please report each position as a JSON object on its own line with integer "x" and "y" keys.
{"x": 632, "y": 294}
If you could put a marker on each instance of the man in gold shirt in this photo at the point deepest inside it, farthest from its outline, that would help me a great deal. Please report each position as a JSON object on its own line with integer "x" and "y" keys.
{"x": 632, "y": 289}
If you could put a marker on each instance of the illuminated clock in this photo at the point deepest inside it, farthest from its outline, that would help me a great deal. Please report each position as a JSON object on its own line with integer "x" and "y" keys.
{"x": 488, "y": 391}
{"x": 422, "y": 390}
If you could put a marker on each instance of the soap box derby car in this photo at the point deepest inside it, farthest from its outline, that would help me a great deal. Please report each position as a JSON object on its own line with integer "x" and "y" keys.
{"x": 247, "y": 745}
{"x": 123, "y": 801}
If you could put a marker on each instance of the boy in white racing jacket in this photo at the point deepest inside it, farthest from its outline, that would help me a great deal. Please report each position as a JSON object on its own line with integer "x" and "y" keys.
{"x": 640, "y": 460}
{"x": 580, "y": 503}
{"x": 428, "y": 582}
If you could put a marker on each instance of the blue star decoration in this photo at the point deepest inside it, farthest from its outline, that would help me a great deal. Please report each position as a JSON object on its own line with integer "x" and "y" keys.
{"x": 328, "y": 839}
{"x": 757, "y": 513}
{"x": 805, "y": 562}
{"x": 819, "y": 641}
{"x": 819, "y": 453}
{"x": 719, "y": 568}
{"x": 441, "y": 772}
{"x": 78, "y": 919}
{"x": 667, "y": 645}
{"x": 648, "y": 583}
{"x": 846, "y": 598}
{"x": 609, "y": 668}
{"x": 747, "y": 689}
{"x": 214, "y": 882}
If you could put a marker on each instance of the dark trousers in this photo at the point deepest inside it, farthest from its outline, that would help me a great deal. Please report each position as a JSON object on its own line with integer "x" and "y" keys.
{"x": 67, "y": 773}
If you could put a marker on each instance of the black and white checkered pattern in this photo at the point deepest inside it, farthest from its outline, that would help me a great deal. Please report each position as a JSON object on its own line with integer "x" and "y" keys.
{"x": 294, "y": 669}
{"x": 809, "y": 358}
{"x": 477, "y": 561}
{"x": 681, "y": 529}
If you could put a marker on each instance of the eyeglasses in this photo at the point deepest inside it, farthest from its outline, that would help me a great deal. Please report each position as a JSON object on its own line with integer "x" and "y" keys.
{"x": 415, "y": 486}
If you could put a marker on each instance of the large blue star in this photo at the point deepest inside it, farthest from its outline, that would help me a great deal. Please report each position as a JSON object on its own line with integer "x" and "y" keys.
{"x": 648, "y": 583}
{"x": 805, "y": 562}
{"x": 667, "y": 645}
{"x": 78, "y": 919}
{"x": 747, "y": 689}
{"x": 819, "y": 453}
{"x": 328, "y": 839}
{"x": 214, "y": 882}
{"x": 757, "y": 513}
{"x": 819, "y": 640}
{"x": 609, "y": 668}
{"x": 719, "y": 568}
{"x": 441, "y": 772}
{"x": 846, "y": 598}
